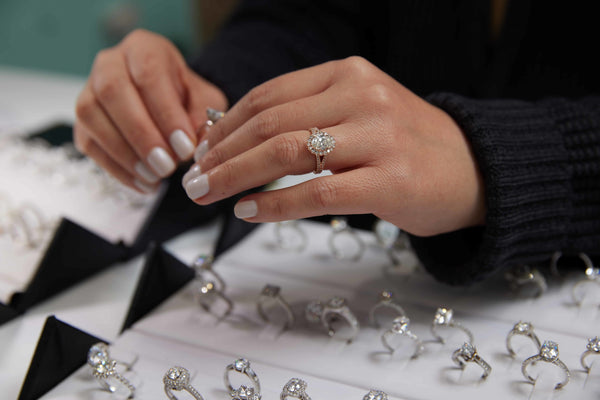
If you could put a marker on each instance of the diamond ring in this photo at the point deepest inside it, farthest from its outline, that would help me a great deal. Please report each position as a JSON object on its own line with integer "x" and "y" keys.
{"x": 375, "y": 395}
{"x": 341, "y": 230}
{"x": 320, "y": 144}
{"x": 444, "y": 318}
{"x": 203, "y": 265}
{"x": 104, "y": 369}
{"x": 523, "y": 329}
{"x": 400, "y": 327}
{"x": 178, "y": 378}
{"x": 295, "y": 388}
{"x": 337, "y": 309}
{"x": 206, "y": 294}
{"x": 592, "y": 276}
{"x": 468, "y": 353}
{"x": 558, "y": 254}
{"x": 524, "y": 276}
{"x": 213, "y": 115}
{"x": 272, "y": 292}
{"x": 290, "y": 236}
{"x": 548, "y": 353}
{"x": 593, "y": 347}
{"x": 242, "y": 366}
{"x": 386, "y": 299}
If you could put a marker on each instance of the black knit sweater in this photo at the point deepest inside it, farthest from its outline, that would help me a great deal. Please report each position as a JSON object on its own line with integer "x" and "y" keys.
{"x": 528, "y": 102}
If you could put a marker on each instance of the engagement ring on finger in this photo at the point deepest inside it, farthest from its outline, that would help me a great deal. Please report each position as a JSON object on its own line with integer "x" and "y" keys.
{"x": 341, "y": 230}
{"x": 272, "y": 292}
{"x": 468, "y": 353}
{"x": 242, "y": 366}
{"x": 400, "y": 327}
{"x": 444, "y": 318}
{"x": 104, "y": 369}
{"x": 592, "y": 348}
{"x": 548, "y": 353}
{"x": 178, "y": 378}
{"x": 523, "y": 329}
{"x": 320, "y": 144}
{"x": 294, "y": 389}
{"x": 385, "y": 300}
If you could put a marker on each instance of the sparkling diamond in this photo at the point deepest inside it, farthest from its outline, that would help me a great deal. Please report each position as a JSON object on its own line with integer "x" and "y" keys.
{"x": 376, "y": 395}
{"x": 295, "y": 387}
{"x": 245, "y": 393}
{"x": 271, "y": 290}
{"x": 549, "y": 350}
{"x": 593, "y": 273}
{"x": 339, "y": 224}
{"x": 386, "y": 232}
{"x": 104, "y": 369}
{"x": 176, "y": 378}
{"x": 523, "y": 327}
{"x": 320, "y": 143}
{"x": 594, "y": 344}
{"x": 98, "y": 353}
{"x": 313, "y": 311}
{"x": 468, "y": 351}
{"x": 207, "y": 287}
{"x": 337, "y": 302}
{"x": 241, "y": 364}
{"x": 400, "y": 324}
{"x": 443, "y": 316}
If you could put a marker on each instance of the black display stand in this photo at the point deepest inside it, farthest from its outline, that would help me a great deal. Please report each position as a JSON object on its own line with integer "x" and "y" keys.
{"x": 60, "y": 351}
{"x": 7, "y": 313}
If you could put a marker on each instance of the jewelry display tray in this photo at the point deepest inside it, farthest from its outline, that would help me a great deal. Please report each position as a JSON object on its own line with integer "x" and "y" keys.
{"x": 178, "y": 332}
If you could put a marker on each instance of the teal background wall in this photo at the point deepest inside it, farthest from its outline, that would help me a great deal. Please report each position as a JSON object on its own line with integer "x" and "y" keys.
{"x": 64, "y": 35}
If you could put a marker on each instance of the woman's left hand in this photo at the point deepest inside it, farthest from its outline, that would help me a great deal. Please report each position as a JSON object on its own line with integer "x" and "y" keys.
{"x": 396, "y": 156}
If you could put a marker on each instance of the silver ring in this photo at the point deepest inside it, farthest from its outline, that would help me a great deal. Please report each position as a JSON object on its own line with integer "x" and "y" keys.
{"x": 592, "y": 275}
{"x": 548, "y": 353}
{"x": 522, "y": 276}
{"x": 523, "y": 329}
{"x": 105, "y": 368}
{"x": 242, "y": 366}
{"x": 296, "y": 389}
{"x": 341, "y": 228}
{"x": 375, "y": 395}
{"x": 245, "y": 393}
{"x": 320, "y": 144}
{"x": 468, "y": 353}
{"x": 444, "y": 318}
{"x": 593, "y": 347}
{"x": 203, "y": 265}
{"x": 557, "y": 255}
{"x": 337, "y": 309}
{"x": 386, "y": 299}
{"x": 290, "y": 236}
{"x": 400, "y": 327}
{"x": 272, "y": 292}
{"x": 178, "y": 378}
{"x": 208, "y": 291}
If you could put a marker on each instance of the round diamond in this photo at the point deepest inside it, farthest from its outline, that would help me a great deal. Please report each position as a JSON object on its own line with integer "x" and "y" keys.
{"x": 241, "y": 364}
{"x": 443, "y": 316}
{"x": 313, "y": 311}
{"x": 339, "y": 224}
{"x": 523, "y": 327}
{"x": 104, "y": 369}
{"x": 320, "y": 143}
{"x": 593, "y": 273}
{"x": 594, "y": 344}
{"x": 176, "y": 378}
{"x": 245, "y": 393}
{"x": 468, "y": 351}
{"x": 97, "y": 354}
{"x": 376, "y": 395}
{"x": 386, "y": 232}
{"x": 400, "y": 324}
{"x": 295, "y": 387}
{"x": 549, "y": 350}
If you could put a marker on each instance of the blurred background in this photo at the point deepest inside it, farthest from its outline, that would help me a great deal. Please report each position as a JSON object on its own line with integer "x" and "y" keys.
{"x": 64, "y": 35}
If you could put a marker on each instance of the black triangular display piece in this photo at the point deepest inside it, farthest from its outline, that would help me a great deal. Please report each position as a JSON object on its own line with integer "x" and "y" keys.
{"x": 7, "y": 313}
{"x": 162, "y": 276}
{"x": 60, "y": 351}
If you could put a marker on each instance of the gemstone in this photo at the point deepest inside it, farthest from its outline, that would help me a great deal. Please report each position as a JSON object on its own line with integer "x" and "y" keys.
{"x": 339, "y": 224}
{"x": 295, "y": 387}
{"x": 98, "y": 353}
{"x": 468, "y": 351}
{"x": 593, "y": 273}
{"x": 400, "y": 324}
{"x": 594, "y": 344}
{"x": 523, "y": 327}
{"x": 245, "y": 393}
{"x": 337, "y": 302}
{"x": 271, "y": 290}
{"x": 313, "y": 311}
{"x": 104, "y": 369}
{"x": 386, "y": 232}
{"x": 549, "y": 350}
{"x": 176, "y": 378}
{"x": 443, "y": 316}
{"x": 241, "y": 364}
{"x": 320, "y": 143}
{"x": 386, "y": 295}
{"x": 376, "y": 395}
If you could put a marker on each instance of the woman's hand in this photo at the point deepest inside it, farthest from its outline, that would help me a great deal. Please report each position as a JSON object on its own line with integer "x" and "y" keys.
{"x": 140, "y": 109}
{"x": 396, "y": 155}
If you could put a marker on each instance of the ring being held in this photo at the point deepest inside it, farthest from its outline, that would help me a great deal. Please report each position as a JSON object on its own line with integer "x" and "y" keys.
{"x": 548, "y": 353}
{"x": 523, "y": 329}
{"x": 178, "y": 378}
{"x": 468, "y": 353}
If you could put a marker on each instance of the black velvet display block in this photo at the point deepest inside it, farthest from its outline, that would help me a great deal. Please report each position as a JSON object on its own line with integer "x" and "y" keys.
{"x": 7, "y": 313}
{"x": 60, "y": 351}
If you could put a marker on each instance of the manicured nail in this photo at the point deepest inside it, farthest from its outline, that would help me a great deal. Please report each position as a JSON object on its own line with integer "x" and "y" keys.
{"x": 201, "y": 150}
{"x": 245, "y": 209}
{"x": 145, "y": 173}
{"x": 143, "y": 187}
{"x": 194, "y": 172}
{"x": 161, "y": 161}
{"x": 181, "y": 144}
{"x": 197, "y": 187}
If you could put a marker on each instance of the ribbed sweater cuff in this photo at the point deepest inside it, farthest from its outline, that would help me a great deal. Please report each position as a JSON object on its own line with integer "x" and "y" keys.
{"x": 522, "y": 157}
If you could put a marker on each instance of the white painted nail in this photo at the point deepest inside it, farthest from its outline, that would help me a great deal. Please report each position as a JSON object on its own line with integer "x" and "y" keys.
{"x": 145, "y": 173}
{"x": 161, "y": 161}
{"x": 143, "y": 187}
{"x": 197, "y": 187}
{"x": 194, "y": 172}
{"x": 201, "y": 150}
{"x": 181, "y": 144}
{"x": 245, "y": 209}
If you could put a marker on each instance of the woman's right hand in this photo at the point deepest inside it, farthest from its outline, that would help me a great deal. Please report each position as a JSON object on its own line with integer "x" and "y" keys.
{"x": 140, "y": 109}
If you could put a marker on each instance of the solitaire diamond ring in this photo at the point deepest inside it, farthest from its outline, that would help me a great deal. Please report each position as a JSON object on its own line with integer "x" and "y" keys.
{"x": 400, "y": 327}
{"x": 337, "y": 309}
{"x": 341, "y": 229}
{"x": 242, "y": 366}
{"x": 178, "y": 378}
{"x": 386, "y": 299}
{"x": 548, "y": 353}
{"x": 444, "y": 318}
{"x": 592, "y": 276}
{"x": 593, "y": 347}
{"x": 296, "y": 389}
{"x": 523, "y": 329}
{"x": 468, "y": 353}
{"x": 104, "y": 369}
{"x": 320, "y": 144}
{"x": 203, "y": 264}
{"x": 272, "y": 292}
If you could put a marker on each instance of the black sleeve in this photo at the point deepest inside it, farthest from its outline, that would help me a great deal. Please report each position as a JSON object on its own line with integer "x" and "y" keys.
{"x": 540, "y": 162}
{"x": 266, "y": 38}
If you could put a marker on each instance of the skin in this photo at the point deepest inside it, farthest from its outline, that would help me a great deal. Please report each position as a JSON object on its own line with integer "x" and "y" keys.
{"x": 396, "y": 156}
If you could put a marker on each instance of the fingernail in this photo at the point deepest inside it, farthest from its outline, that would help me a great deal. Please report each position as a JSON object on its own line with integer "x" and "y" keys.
{"x": 181, "y": 144}
{"x": 245, "y": 209}
{"x": 194, "y": 172}
{"x": 143, "y": 187}
{"x": 145, "y": 173}
{"x": 161, "y": 161}
{"x": 197, "y": 187}
{"x": 201, "y": 150}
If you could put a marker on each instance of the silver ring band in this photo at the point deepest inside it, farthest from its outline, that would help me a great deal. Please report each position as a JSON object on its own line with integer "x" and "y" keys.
{"x": 178, "y": 378}
{"x": 295, "y": 389}
{"x": 340, "y": 227}
{"x": 548, "y": 353}
{"x": 522, "y": 329}
{"x": 272, "y": 292}
{"x": 242, "y": 366}
{"x": 444, "y": 318}
{"x": 400, "y": 327}
{"x": 386, "y": 299}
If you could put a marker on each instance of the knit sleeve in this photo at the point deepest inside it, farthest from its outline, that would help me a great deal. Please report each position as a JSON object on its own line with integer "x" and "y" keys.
{"x": 540, "y": 162}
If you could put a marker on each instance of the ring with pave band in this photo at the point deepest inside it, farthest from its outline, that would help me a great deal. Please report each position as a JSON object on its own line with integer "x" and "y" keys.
{"x": 178, "y": 378}
{"x": 320, "y": 144}
{"x": 242, "y": 366}
{"x": 272, "y": 292}
{"x": 444, "y": 317}
{"x": 386, "y": 299}
{"x": 523, "y": 329}
{"x": 593, "y": 347}
{"x": 400, "y": 327}
{"x": 468, "y": 353}
{"x": 105, "y": 368}
{"x": 548, "y": 353}
{"x": 295, "y": 388}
